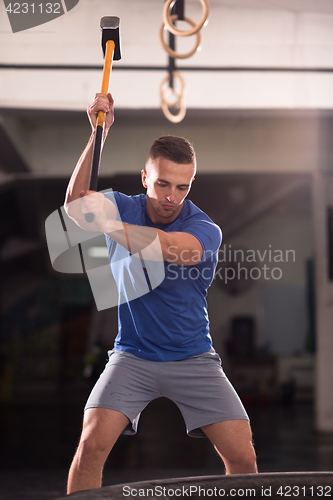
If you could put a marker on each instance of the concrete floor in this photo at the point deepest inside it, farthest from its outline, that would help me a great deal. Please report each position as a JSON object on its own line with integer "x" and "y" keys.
{"x": 39, "y": 433}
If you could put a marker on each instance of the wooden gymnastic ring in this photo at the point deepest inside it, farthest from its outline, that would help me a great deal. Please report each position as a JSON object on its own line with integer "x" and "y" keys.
{"x": 171, "y": 104}
{"x": 171, "y": 52}
{"x": 180, "y": 102}
{"x": 175, "y": 74}
{"x": 174, "y": 118}
{"x": 172, "y": 28}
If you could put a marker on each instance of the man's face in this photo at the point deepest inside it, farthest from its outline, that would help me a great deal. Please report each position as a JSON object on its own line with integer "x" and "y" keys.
{"x": 167, "y": 185}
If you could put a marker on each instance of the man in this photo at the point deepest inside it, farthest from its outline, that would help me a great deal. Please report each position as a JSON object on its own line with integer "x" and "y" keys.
{"x": 163, "y": 347}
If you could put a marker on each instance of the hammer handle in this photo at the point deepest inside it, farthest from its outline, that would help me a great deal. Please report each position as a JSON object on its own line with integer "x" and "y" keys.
{"x": 110, "y": 47}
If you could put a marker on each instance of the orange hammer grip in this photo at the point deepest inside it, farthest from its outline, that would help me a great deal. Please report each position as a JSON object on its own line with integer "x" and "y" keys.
{"x": 109, "y": 51}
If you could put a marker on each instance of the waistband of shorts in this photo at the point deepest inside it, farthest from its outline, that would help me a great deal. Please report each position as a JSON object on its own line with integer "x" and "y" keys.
{"x": 210, "y": 351}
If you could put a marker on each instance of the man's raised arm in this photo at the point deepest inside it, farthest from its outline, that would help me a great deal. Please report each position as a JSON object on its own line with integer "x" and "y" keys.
{"x": 79, "y": 181}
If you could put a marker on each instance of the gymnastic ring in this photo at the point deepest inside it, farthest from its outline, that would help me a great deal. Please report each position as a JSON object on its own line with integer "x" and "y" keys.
{"x": 171, "y": 104}
{"x": 180, "y": 102}
{"x": 166, "y": 79}
{"x": 171, "y": 52}
{"x": 174, "y": 118}
{"x": 172, "y": 28}
{"x": 175, "y": 74}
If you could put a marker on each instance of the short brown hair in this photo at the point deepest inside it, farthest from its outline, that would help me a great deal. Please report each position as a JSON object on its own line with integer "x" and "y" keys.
{"x": 173, "y": 148}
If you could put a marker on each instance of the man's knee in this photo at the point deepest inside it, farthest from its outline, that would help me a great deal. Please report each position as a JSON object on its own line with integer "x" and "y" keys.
{"x": 248, "y": 458}
{"x": 90, "y": 451}
{"x": 244, "y": 458}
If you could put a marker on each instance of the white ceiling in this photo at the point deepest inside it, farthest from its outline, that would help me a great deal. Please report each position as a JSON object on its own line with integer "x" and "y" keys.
{"x": 324, "y": 6}
{"x": 240, "y": 34}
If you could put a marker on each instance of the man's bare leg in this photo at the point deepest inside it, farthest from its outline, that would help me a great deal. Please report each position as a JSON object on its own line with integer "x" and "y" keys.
{"x": 101, "y": 429}
{"x": 233, "y": 442}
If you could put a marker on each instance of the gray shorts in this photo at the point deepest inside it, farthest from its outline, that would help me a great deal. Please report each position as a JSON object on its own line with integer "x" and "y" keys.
{"x": 197, "y": 385}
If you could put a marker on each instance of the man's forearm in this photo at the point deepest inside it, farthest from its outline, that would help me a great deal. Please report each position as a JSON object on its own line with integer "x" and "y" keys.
{"x": 177, "y": 247}
{"x": 135, "y": 238}
{"x": 79, "y": 180}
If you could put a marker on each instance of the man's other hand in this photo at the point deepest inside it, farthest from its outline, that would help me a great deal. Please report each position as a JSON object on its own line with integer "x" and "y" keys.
{"x": 95, "y": 203}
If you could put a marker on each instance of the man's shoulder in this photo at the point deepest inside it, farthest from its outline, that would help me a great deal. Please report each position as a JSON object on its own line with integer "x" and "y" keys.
{"x": 127, "y": 203}
{"x": 195, "y": 213}
{"x": 131, "y": 209}
{"x": 195, "y": 221}
{"x": 125, "y": 198}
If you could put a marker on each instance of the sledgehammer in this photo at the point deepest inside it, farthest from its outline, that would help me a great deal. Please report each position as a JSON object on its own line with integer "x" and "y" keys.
{"x": 110, "y": 27}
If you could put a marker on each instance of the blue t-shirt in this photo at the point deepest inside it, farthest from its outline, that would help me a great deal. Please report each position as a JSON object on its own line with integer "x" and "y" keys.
{"x": 170, "y": 322}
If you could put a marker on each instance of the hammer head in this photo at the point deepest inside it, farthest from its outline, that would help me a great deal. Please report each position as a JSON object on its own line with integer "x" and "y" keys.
{"x": 110, "y": 27}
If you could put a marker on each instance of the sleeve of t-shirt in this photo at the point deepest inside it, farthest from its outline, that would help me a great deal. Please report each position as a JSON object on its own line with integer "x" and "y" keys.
{"x": 209, "y": 235}
{"x": 116, "y": 199}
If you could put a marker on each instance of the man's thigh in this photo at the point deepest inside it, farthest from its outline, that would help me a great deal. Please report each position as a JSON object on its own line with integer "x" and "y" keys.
{"x": 202, "y": 392}
{"x": 103, "y": 426}
{"x": 126, "y": 385}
